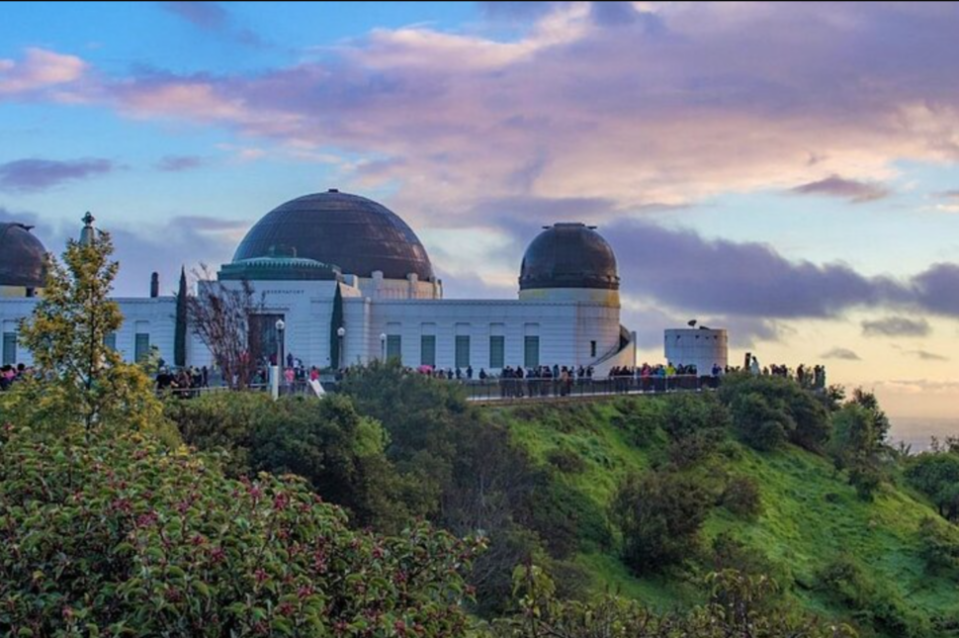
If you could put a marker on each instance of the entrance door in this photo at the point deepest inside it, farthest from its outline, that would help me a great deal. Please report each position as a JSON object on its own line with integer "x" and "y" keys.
{"x": 263, "y": 336}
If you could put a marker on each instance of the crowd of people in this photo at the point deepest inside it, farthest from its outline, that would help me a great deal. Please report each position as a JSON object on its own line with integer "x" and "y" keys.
{"x": 10, "y": 374}
{"x": 509, "y": 382}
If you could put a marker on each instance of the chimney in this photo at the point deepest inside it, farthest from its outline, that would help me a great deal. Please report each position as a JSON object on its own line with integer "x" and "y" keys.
{"x": 154, "y": 285}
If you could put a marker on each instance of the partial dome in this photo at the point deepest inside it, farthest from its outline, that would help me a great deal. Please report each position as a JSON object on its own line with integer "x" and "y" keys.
{"x": 21, "y": 257}
{"x": 351, "y": 232}
{"x": 569, "y": 256}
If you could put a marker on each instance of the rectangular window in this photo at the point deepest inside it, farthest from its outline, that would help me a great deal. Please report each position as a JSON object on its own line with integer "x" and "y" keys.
{"x": 592, "y": 348}
{"x": 497, "y": 351}
{"x": 142, "y": 348}
{"x": 9, "y": 348}
{"x": 110, "y": 341}
{"x": 394, "y": 347}
{"x": 462, "y": 351}
{"x": 428, "y": 350}
{"x": 531, "y": 352}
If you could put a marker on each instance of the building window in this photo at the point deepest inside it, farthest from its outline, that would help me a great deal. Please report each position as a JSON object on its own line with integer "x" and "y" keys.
{"x": 497, "y": 351}
{"x": 394, "y": 345}
{"x": 110, "y": 341}
{"x": 428, "y": 350}
{"x": 462, "y": 351}
{"x": 592, "y": 348}
{"x": 142, "y": 348}
{"x": 531, "y": 352}
{"x": 9, "y": 348}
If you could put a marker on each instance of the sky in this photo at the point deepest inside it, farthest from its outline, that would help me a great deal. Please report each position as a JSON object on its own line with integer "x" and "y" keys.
{"x": 787, "y": 171}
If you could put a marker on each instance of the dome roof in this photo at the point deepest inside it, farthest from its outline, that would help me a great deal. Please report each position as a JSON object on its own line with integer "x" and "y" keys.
{"x": 21, "y": 257}
{"x": 351, "y": 232}
{"x": 569, "y": 256}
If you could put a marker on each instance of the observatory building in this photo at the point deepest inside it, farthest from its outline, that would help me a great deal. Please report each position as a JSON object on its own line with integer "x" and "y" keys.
{"x": 351, "y": 283}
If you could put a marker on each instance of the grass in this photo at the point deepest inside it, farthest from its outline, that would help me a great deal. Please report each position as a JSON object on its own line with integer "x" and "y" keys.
{"x": 810, "y": 515}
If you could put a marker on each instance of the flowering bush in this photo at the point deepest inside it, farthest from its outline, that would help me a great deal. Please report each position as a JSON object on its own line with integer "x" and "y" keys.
{"x": 113, "y": 535}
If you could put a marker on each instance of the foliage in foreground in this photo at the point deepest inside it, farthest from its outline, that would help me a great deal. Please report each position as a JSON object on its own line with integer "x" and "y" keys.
{"x": 85, "y": 381}
{"x": 738, "y": 606}
{"x": 111, "y": 535}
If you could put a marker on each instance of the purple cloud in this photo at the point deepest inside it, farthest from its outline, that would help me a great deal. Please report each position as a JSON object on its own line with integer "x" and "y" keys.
{"x": 682, "y": 269}
{"x": 177, "y": 163}
{"x": 205, "y": 15}
{"x": 212, "y": 17}
{"x": 925, "y": 355}
{"x": 896, "y": 327}
{"x": 844, "y": 354}
{"x": 835, "y": 186}
{"x": 38, "y": 174}
{"x": 937, "y": 289}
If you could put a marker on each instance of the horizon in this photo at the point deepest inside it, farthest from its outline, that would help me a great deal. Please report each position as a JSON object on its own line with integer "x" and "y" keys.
{"x": 787, "y": 172}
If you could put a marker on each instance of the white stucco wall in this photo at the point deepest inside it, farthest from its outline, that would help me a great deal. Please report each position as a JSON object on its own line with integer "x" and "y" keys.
{"x": 703, "y": 348}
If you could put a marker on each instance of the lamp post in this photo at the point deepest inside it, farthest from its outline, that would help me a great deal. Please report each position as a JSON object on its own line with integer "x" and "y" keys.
{"x": 280, "y": 327}
{"x": 383, "y": 346}
{"x": 340, "y": 333}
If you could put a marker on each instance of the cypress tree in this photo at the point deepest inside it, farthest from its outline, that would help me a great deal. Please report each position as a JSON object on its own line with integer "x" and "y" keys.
{"x": 179, "y": 335}
{"x": 336, "y": 322}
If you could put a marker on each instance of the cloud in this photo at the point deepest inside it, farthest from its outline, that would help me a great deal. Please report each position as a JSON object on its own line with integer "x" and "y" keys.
{"x": 937, "y": 289}
{"x": 29, "y": 175}
{"x": 210, "y": 16}
{"x": 177, "y": 163}
{"x": 925, "y": 355}
{"x": 39, "y": 69}
{"x": 835, "y": 186}
{"x": 841, "y": 353}
{"x": 686, "y": 271}
{"x": 896, "y": 327}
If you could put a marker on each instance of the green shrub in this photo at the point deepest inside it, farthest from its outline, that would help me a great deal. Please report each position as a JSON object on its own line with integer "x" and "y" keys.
{"x": 939, "y": 545}
{"x": 110, "y": 535}
{"x": 787, "y": 411}
{"x": 742, "y": 497}
{"x": 936, "y": 474}
{"x": 341, "y": 454}
{"x": 761, "y": 423}
{"x": 566, "y": 461}
{"x": 660, "y": 515}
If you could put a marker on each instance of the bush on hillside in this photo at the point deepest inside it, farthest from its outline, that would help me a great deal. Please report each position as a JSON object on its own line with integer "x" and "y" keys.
{"x": 936, "y": 474}
{"x": 939, "y": 545}
{"x": 566, "y": 461}
{"x": 742, "y": 497}
{"x": 660, "y": 515}
{"x": 339, "y": 453}
{"x": 857, "y": 446}
{"x": 789, "y": 412}
{"x": 696, "y": 425}
{"x": 109, "y": 535}
{"x": 761, "y": 423}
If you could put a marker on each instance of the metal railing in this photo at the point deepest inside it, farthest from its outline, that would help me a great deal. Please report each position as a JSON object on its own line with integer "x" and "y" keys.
{"x": 537, "y": 388}
{"x": 490, "y": 390}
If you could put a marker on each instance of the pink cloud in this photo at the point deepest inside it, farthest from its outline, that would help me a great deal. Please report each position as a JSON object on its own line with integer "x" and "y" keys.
{"x": 39, "y": 69}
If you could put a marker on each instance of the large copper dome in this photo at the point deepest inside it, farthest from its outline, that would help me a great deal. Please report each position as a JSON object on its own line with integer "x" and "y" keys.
{"x": 21, "y": 257}
{"x": 569, "y": 256}
{"x": 351, "y": 232}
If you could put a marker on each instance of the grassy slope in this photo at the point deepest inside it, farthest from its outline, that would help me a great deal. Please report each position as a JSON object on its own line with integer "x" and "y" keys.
{"x": 810, "y": 514}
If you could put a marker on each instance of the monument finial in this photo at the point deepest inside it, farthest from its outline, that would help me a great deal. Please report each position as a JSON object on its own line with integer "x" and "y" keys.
{"x": 87, "y": 234}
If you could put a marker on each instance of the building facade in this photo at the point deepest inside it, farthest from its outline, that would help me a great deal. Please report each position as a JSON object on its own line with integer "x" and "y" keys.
{"x": 352, "y": 283}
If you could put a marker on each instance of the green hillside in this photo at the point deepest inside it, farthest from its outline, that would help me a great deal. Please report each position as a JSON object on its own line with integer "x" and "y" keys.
{"x": 811, "y": 519}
